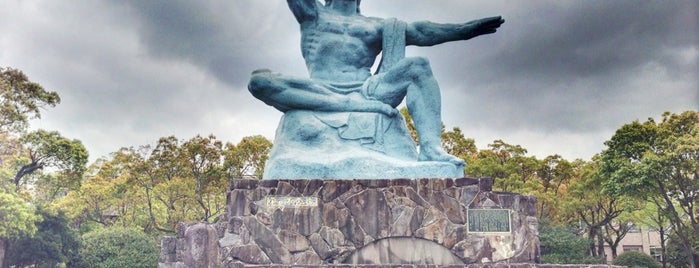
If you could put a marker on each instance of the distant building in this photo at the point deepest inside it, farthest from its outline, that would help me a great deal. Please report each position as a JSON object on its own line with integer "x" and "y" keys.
{"x": 640, "y": 239}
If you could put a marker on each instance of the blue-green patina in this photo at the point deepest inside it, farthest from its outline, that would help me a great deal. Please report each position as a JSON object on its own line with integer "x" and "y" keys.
{"x": 342, "y": 123}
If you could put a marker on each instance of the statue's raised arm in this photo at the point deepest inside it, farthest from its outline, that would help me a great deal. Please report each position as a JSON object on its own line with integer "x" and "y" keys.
{"x": 304, "y": 10}
{"x": 425, "y": 33}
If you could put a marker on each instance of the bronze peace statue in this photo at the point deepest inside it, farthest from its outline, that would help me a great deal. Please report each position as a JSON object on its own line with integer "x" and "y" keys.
{"x": 342, "y": 122}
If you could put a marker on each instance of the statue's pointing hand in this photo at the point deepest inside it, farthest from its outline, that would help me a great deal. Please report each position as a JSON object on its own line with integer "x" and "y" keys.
{"x": 485, "y": 25}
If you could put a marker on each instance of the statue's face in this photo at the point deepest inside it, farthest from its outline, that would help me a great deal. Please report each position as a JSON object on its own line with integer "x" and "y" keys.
{"x": 328, "y": 2}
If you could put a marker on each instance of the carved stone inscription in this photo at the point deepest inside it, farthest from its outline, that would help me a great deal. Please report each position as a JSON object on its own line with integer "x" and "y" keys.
{"x": 290, "y": 201}
{"x": 489, "y": 221}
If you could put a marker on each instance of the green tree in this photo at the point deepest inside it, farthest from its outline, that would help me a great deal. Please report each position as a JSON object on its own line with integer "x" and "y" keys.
{"x": 21, "y": 100}
{"x": 614, "y": 232}
{"x": 48, "y": 149}
{"x": 454, "y": 142}
{"x": 173, "y": 189}
{"x": 9, "y": 160}
{"x": 676, "y": 254}
{"x": 554, "y": 174}
{"x": 128, "y": 190}
{"x": 508, "y": 165}
{"x": 54, "y": 243}
{"x": 204, "y": 162}
{"x": 659, "y": 162}
{"x": 155, "y": 188}
{"x": 514, "y": 171}
{"x": 17, "y": 218}
{"x": 561, "y": 245}
{"x": 117, "y": 248}
{"x": 595, "y": 208}
{"x": 247, "y": 158}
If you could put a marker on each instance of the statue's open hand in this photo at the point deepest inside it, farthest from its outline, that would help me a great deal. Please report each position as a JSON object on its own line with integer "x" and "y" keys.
{"x": 486, "y": 25}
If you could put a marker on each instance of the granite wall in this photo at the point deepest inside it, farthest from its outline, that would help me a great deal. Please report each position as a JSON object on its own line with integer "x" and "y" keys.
{"x": 361, "y": 222}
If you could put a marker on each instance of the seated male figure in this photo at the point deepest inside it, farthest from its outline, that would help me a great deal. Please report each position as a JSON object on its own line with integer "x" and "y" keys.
{"x": 340, "y": 46}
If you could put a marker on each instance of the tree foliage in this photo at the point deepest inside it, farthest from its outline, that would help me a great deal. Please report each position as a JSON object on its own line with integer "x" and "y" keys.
{"x": 55, "y": 242}
{"x": 21, "y": 100}
{"x": 17, "y": 216}
{"x": 555, "y": 175}
{"x": 455, "y": 143}
{"x": 116, "y": 248}
{"x": 659, "y": 162}
{"x": 507, "y": 164}
{"x": 153, "y": 188}
{"x": 247, "y": 158}
{"x": 677, "y": 255}
{"x": 599, "y": 211}
{"x": 49, "y": 149}
{"x": 561, "y": 245}
{"x": 203, "y": 160}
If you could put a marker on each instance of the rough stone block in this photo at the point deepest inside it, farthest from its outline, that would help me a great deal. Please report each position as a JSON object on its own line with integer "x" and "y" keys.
{"x": 202, "y": 249}
{"x": 325, "y": 223}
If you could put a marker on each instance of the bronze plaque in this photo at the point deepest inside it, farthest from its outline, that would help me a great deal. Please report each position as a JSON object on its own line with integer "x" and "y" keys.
{"x": 489, "y": 221}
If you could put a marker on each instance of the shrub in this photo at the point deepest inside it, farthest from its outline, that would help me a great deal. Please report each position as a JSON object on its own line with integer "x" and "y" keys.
{"x": 117, "y": 248}
{"x": 561, "y": 245}
{"x": 677, "y": 255}
{"x": 54, "y": 243}
{"x": 636, "y": 259}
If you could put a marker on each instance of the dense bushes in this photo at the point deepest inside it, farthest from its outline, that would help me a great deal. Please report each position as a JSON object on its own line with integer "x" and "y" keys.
{"x": 560, "y": 245}
{"x": 54, "y": 243}
{"x": 636, "y": 259}
{"x": 677, "y": 255}
{"x": 117, "y": 248}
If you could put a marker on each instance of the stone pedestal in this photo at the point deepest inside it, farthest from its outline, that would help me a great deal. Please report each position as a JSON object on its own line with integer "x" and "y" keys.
{"x": 365, "y": 222}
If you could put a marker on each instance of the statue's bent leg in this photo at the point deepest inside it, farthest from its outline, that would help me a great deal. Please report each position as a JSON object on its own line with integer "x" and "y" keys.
{"x": 413, "y": 78}
{"x": 288, "y": 93}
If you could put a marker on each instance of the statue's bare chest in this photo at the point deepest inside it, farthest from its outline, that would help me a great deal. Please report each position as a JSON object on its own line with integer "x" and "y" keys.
{"x": 352, "y": 27}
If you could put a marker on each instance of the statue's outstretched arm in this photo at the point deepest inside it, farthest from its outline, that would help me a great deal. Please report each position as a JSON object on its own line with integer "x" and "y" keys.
{"x": 425, "y": 33}
{"x": 304, "y": 10}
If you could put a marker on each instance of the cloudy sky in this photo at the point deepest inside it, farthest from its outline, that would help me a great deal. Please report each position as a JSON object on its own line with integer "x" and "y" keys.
{"x": 559, "y": 77}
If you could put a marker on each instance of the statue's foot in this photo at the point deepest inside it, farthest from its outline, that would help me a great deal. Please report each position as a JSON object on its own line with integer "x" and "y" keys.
{"x": 434, "y": 153}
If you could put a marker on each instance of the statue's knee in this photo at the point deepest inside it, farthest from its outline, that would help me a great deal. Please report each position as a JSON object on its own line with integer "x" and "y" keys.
{"x": 260, "y": 83}
{"x": 420, "y": 61}
{"x": 419, "y": 66}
